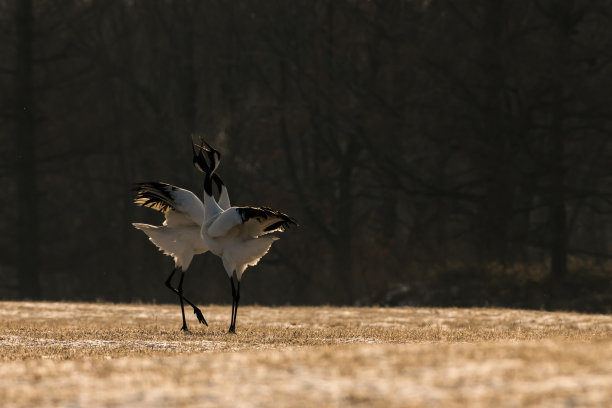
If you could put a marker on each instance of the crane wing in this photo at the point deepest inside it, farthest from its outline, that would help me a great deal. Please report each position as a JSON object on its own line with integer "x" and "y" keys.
{"x": 224, "y": 222}
{"x": 255, "y": 221}
{"x": 224, "y": 200}
{"x": 180, "y": 206}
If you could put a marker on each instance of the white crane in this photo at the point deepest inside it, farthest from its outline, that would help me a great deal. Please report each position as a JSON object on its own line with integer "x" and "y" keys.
{"x": 240, "y": 236}
{"x": 180, "y": 234}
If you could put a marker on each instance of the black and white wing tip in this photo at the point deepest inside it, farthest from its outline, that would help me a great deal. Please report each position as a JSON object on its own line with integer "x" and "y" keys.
{"x": 155, "y": 195}
{"x": 281, "y": 221}
{"x": 284, "y": 221}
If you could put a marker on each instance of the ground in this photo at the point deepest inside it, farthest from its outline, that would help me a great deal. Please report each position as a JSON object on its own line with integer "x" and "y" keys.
{"x": 120, "y": 355}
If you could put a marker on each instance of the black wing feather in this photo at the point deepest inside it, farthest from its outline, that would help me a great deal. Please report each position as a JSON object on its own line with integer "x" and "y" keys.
{"x": 280, "y": 226}
{"x": 155, "y": 195}
{"x": 266, "y": 212}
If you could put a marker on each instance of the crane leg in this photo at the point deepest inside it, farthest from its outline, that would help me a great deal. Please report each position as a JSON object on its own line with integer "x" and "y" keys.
{"x": 196, "y": 310}
{"x": 232, "y": 329}
{"x": 236, "y": 309}
{"x": 180, "y": 292}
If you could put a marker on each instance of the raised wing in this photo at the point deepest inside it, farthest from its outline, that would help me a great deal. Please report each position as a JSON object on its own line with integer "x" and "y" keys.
{"x": 180, "y": 206}
{"x": 224, "y": 200}
{"x": 254, "y": 221}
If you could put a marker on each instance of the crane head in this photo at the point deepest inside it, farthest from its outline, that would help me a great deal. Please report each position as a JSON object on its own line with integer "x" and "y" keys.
{"x": 213, "y": 155}
{"x": 199, "y": 161}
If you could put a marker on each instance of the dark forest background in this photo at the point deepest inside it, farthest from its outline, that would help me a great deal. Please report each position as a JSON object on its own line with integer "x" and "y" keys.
{"x": 437, "y": 152}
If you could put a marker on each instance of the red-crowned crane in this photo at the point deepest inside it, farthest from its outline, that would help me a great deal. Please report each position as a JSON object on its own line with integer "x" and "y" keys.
{"x": 180, "y": 234}
{"x": 240, "y": 236}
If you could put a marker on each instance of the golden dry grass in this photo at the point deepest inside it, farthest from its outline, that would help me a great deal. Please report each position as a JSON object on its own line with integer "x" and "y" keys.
{"x": 103, "y": 355}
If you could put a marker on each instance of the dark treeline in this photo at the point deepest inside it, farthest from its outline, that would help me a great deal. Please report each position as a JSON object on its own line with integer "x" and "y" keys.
{"x": 434, "y": 152}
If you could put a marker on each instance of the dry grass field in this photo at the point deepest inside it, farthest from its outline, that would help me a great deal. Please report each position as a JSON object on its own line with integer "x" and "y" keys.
{"x": 109, "y": 355}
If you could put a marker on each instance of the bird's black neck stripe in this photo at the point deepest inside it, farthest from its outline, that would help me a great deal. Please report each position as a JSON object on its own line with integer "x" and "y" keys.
{"x": 218, "y": 182}
{"x": 208, "y": 184}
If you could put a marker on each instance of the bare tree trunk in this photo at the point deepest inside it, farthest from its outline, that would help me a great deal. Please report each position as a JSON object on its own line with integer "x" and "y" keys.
{"x": 558, "y": 214}
{"x": 343, "y": 257}
{"x": 497, "y": 201}
{"x": 188, "y": 82}
{"x": 28, "y": 235}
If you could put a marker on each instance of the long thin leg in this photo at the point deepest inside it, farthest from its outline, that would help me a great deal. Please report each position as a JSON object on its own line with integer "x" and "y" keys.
{"x": 196, "y": 310}
{"x": 180, "y": 291}
{"x": 170, "y": 278}
{"x": 236, "y": 309}
{"x": 232, "y": 328}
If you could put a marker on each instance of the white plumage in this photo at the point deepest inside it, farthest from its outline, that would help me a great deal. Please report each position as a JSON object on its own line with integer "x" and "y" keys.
{"x": 180, "y": 234}
{"x": 181, "y": 243}
{"x": 238, "y": 235}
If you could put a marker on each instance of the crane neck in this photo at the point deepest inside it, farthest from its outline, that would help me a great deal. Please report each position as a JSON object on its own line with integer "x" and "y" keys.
{"x": 211, "y": 207}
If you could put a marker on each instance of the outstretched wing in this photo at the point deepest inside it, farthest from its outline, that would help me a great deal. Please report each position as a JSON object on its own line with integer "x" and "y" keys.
{"x": 180, "y": 206}
{"x": 224, "y": 200}
{"x": 254, "y": 221}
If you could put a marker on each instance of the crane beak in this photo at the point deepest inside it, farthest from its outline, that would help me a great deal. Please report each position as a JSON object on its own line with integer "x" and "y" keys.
{"x": 209, "y": 147}
{"x": 213, "y": 154}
